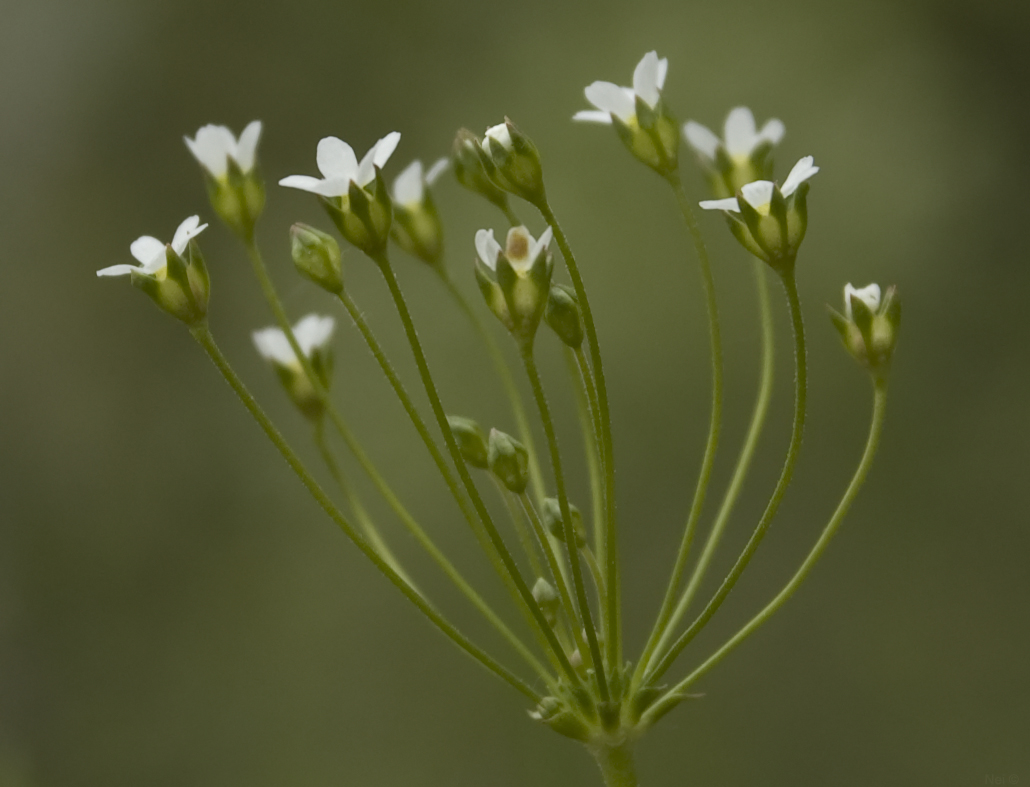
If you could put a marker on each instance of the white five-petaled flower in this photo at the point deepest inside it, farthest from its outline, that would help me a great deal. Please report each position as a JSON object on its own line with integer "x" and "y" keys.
{"x": 521, "y": 250}
{"x": 151, "y": 252}
{"x": 610, "y": 99}
{"x": 869, "y": 295}
{"x": 759, "y": 194}
{"x": 312, "y": 332}
{"x": 213, "y": 146}
{"x": 409, "y": 187}
{"x": 340, "y": 167}
{"x": 741, "y": 136}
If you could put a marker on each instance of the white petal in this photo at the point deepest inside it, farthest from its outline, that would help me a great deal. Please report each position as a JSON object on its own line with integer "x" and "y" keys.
{"x": 730, "y": 204}
{"x": 663, "y": 69}
{"x": 542, "y": 243}
{"x": 117, "y": 270}
{"x": 330, "y": 187}
{"x": 611, "y": 98}
{"x": 146, "y": 248}
{"x": 869, "y": 295}
{"x": 758, "y": 194}
{"x": 802, "y": 171}
{"x": 336, "y": 158}
{"x": 645, "y": 78}
{"x": 772, "y": 131}
{"x": 246, "y": 148}
{"x": 190, "y": 228}
{"x": 701, "y": 139}
{"x": 439, "y": 167}
{"x": 211, "y": 147}
{"x": 156, "y": 264}
{"x": 273, "y": 345}
{"x": 407, "y": 187}
{"x": 487, "y": 248}
{"x": 594, "y": 116}
{"x": 740, "y": 132}
{"x": 384, "y": 148}
{"x": 501, "y": 134}
{"x": 313, "y": 332}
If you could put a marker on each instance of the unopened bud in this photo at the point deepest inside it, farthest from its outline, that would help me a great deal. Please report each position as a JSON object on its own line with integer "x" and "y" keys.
{"x": 564, "y": 316}
{"x": 547, "y": 598}
{"x": 471, "y": 440}
{"x": 555, "y": 524}
{"x": 317, "y": 257}
{"x": 509, "y": 461}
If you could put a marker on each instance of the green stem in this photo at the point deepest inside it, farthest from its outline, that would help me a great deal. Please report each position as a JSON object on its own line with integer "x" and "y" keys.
{"x": 612, "y": 576}
{"x": 570, "y": 534}
{"x": 590, "y": 425}
{"x": 616, "y": 763}
{"x": 521, "y": 530}
{"x": 875, "y": 429}
{"x": 800, "y": 395}
{"x": 477, "y": 500}
{"x": 661, "y": 625}
{"x": 203, "y": 336}
{"x": 536, "y": 478}
{"x": 747, "y": 453}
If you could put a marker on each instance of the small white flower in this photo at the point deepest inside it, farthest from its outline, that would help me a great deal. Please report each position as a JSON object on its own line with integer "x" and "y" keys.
{"x": 151, "y": 252}
{"x": 740, "y": 135}
{"x": 869, "y": 295}
{"x": 409, "y": 187}
{"x": 213, "y": 146}
{"x": 610, "y": 99}
{"x": 759, "y": 194}
{"x": 340, "y": 167}
{"x": 521, "y": 249}
{"x": 312, "y": 332}
{"x": 501, "y": 135}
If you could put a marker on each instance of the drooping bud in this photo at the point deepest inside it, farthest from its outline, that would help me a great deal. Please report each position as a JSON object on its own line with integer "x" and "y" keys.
{"x": 869, "y": 326}
{"x": 317, "y": 257}
{"x": 515, "y": 162}
{"x": 471, "y": 440}
{"x": 551, "y": 514}
{"x": 547, "y": 598}
{"x": 509, "y": 461}
{"x": 564, "y": 316}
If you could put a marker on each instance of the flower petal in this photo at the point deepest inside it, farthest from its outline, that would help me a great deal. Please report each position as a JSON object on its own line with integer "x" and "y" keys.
{"x": 487, "y": 248}
{"x": 313, "y": 332}
{"x": 611, "y": 98}
{"x": 758, "y": 194}
{"x": 246, "y": 147}
{"x": 869, "y": 295}
{"x": 384, "y": 148}
{"x": 730, "y": 204}
{"x": 740, "y": 132}
{"x": 541, "y": 244}
{"x": 145, "y": 248}
{"x": 772, "y": 131}
{"x": 501, "y": 134}
{"x": 701, "y": 139}
{"x": 801, "y": 172}
{"x": 211, "y": 147}
{"x": 645, "y": 78}
{"x": 336, "y": 158}
{"x": 408, "y": 186}
{"x": 439, "y": 167}
{"x": 594, "y": 116}
{"x": 117, "y": 270}
{"x": 330, "y": 187}
{"x": 273, "y": 345}
{"x": 663, "y": 69}
{"x": 190, "y": 228}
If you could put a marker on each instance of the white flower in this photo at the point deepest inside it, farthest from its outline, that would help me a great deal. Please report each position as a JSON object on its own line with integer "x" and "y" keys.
{"x": 339, "y": 166}
{"x": 151, "y": 252}
{"x": 521, "y": 249}
{"x": 759, "y": 194}
{"x": 409, "y": 187}
{"x": 312, "y": 333}
{"x": 740, "y": 135}
{"x": 501, "y": 135}
{"x": 213, "y": 146}
{"x": 610, "y": 99}
{"x": 869, "y": 295}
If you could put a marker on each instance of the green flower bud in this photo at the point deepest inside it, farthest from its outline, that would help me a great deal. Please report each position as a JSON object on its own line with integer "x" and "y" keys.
{"x": 515, "y": 281}
{"x": 317, "y": 257}
{"x": 564, "y": 316}
{"x": 511, "y": 159}
{"x": 467, "y": 157}
{"x": 547, "y": 597}
{"x": 234, "y": 184}
{"x": 556, "y": 715}
{"x": 552, "y": 517}
{"x": 471, "y": 440}
{"x": 509, "y": 461}
{"x": 869, "y": 326}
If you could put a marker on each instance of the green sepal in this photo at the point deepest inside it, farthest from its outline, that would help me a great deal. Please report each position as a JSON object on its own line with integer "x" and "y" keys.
{"x": 645, "y": 697}
{"x": 509, "y": 461}
{"x": 842, "y": 324}
{"x": 471, "y": 440}
{"x": 182, "y": 295}
{"x": 492, "y": 294}
{"x": 419, "y": 231}
{"x": 525, "y": 294}
{"x": 797, "y": 216}
{"x": 552, "y": 712}
{"x": 862, "y": 316}
{"x": 470, "y": 172}
{"x": 199, "y": 277}
{"x": 742, "y": 233}
{"x": 647, "y": 117}
{"x": 237, "y": 198}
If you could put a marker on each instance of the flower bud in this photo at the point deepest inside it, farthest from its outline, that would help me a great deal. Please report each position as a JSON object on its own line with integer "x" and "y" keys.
{"x": 554, "y": 713}
{"x": 467, "y": 158}
{"x": 869, "y": 326}
{"x": 317, "y": 257}
{"x": 509, "y": 461}
{"x": 234, "y": 184}
{"x": 471, "y": 440}
{"x": 515, "y": 281}
{"x": 552, "y": 517}
{"x": 564, "y": 316}
{"x": 513, "y": 162}
{"x": 547, "y": 598}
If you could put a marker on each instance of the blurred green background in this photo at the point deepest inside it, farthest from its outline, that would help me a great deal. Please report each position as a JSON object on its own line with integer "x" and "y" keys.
{"x": 173, "y": 608}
